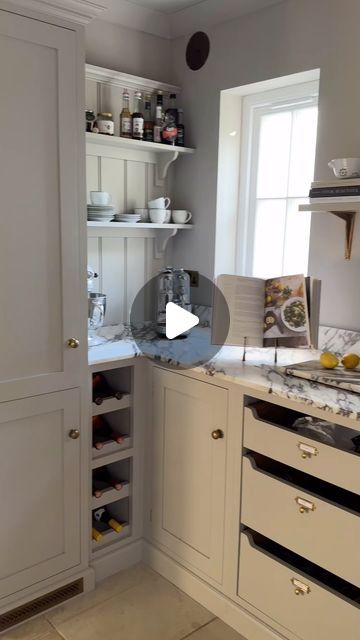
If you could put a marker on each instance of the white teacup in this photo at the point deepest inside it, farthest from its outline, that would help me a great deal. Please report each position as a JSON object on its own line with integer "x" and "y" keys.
{"x": 181, "y": 216}
{"x": 100, "y": 197}
{"x": 159, "y": 203}
{"x": 158, "y": 215}
{"x": 144, "y": 213}
{"x": 168, "y": 216}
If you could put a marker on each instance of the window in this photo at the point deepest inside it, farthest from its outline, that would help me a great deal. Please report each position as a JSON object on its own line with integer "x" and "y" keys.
{"x": 277, "y": 166}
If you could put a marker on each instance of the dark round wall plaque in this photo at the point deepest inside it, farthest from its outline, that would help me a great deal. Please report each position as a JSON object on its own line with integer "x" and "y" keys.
{"x": 197, "y": 50}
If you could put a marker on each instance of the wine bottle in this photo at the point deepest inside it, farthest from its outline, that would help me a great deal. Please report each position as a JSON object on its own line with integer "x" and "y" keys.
{"x": 96, "y": 535}
{"x": 102, "y": 432}
{"x": 102, "y": 479}
{"x": 103, "y": 516}
{"x": 102, "y": 390}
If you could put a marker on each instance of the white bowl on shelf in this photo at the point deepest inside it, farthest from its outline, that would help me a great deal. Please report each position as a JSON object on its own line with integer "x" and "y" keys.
{"x": 345, "y": 167}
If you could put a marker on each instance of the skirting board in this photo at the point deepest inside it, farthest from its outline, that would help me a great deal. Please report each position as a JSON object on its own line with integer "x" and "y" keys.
{"x": 122, "y": 558}
{"x": 232, "y": 614}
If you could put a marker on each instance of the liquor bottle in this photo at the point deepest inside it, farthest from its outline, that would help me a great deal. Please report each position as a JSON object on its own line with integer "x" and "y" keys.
{"x": 125, "y": 116}
{"x": 169, "y": 130}
{"x": 180, "y": 140}
{"x": 159, "y": 116}
{"x": 148, "y": 123}
{"x": 102, "y": 479}
{"x": 138, "y": 118}
{"x": 103, "y": 517}
{"x": 102, "y": 432}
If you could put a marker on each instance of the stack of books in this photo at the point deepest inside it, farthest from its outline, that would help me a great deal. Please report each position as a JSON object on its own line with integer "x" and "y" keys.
{"x": 336, "y": 190}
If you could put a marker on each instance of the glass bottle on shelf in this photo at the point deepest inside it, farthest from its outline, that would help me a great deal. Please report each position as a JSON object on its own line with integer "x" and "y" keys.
{"x": 180, "y": 140}
{"x": 169, "y": 130}
{"x": 125, "y": 116}
{"x": 138, "y": 118}
{"x": 159, "y": 116}
{"x": 148, "y": 123}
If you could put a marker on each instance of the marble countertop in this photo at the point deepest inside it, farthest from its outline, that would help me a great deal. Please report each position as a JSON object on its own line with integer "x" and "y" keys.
{"x": 258, "y": 372}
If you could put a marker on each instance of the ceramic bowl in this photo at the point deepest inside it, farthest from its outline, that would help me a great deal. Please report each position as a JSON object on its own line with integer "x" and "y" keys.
{"x": 345, "y": 167}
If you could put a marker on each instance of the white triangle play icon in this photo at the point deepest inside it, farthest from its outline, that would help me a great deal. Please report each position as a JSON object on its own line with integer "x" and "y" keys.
{"x": 178, "y": 320}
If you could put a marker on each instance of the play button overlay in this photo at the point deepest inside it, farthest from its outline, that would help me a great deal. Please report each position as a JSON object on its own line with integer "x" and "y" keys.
{"x": 178, "y": 321}
{"x": 175, "y": 332}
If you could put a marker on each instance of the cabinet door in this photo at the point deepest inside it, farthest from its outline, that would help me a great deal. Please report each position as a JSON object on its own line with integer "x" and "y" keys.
{"x": 39, "y": 489}
{"x": 189, "y": 470}
{"x": 39, "y": 239}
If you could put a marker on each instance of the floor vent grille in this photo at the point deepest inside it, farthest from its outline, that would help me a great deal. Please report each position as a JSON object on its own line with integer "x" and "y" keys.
{"x": 30, "y": 609}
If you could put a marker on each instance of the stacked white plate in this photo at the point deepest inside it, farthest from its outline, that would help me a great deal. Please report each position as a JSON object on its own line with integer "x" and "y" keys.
{"x": 100, "y": 213}
{"x": 127, "y": 217}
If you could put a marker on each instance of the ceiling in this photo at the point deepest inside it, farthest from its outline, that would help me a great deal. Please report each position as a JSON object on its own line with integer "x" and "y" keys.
{"x": 166, "y": 6}
{"x": 174, "y": 18}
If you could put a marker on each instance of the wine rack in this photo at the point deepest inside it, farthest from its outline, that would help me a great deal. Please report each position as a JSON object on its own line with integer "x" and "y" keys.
{"x": 112, "y": 456}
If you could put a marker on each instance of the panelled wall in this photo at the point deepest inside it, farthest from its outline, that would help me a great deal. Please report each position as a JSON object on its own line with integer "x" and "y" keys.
{"x": 125, "y": 259}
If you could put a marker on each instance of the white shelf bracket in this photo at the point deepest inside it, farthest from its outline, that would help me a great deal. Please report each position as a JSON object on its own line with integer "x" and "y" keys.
{"x": 162, "y": 238}
{"x": 163, "y": 162}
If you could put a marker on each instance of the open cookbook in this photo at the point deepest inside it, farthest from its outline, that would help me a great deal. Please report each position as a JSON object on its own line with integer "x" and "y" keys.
{"x": 263, "y": 313}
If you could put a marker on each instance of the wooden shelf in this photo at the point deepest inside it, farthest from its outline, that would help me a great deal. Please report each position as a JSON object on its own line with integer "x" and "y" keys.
{"x": 109, "y": 458}
{"x": 110, "y": 495}
{"x": 136, "y": 145}
{"x": 137, "y": 225}
{"x": 111, "y": 404}
{"x": 161, "y": 232}
{"x": 345, "y": 210}
{"x": 111, "y": 537}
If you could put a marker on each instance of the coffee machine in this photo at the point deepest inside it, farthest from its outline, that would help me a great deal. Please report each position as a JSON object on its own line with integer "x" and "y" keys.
{"x": 173, "y": 286}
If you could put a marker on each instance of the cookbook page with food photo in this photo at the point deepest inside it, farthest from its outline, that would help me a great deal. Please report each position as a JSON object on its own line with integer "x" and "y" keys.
{"x": 286, "y": 317}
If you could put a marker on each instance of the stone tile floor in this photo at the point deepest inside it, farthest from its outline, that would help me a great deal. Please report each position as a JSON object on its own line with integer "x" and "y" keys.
{"x": 136, "y": 604}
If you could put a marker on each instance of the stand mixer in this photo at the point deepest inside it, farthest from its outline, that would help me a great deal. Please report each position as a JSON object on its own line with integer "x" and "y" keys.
{"x": 96, "y": 309}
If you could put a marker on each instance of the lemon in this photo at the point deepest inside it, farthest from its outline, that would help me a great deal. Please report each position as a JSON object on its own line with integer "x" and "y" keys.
{"x": 329, "y": 360}
{"x": 350, "y": 361}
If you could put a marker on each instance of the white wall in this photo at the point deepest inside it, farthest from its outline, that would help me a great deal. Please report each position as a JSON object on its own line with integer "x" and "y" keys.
{"x": 288, "y": 38}
{"x": 123, "y": 49}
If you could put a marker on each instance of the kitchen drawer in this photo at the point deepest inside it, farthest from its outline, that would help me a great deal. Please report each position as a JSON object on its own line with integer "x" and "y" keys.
{"x": 328, "y": 535}
{"x": 339, "y": 467}
{"x": 318, "y": 612}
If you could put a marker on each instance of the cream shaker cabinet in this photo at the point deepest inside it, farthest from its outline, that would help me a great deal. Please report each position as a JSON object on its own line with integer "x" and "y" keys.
{"x": 39, "y": 488}
{"x": 39, "y": 239}
{"x": 189, "y": 470}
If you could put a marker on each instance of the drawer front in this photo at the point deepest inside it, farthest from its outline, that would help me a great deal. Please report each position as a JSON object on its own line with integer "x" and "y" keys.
{"x": 328, "y": 535}
{"x": 266, "y": 583}
{"x": 321, "y": 460}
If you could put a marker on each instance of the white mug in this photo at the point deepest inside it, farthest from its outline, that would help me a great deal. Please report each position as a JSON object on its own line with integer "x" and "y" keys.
{"x": 180, "y": 216}
{"x": 158, "y": 215}
{"x": 159, "y": 203}
{"x": 100, "y": 198}
{"x": 144, "y": 213}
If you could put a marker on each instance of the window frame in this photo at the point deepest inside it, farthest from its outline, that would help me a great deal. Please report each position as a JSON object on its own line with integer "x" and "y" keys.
{"x": 254, "y": 106}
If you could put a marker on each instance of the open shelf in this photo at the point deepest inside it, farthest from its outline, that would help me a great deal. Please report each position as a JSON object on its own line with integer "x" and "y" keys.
{"x": 111, "y": 404}
{"x": 110, "y": 495}
{"x": 137, "y": 225}
{"x": 109, "y": 458}
{"x": 137, "y": 145}
{"x": 111, "y": 537}
{"x": 345, "y": 210}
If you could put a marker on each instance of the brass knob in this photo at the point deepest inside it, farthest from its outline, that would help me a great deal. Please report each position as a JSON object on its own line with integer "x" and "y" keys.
{"x": 304, "y": 456}
{"x": 74, "y": 434}
{"x": 73, "y": 343}
{"x": 302, "y": 510}
{"x": 298, "y": 592}
{"x": 217, "y": 434}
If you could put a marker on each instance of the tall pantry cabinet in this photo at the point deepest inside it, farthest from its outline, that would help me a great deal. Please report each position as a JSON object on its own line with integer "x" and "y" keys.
{"x": 43, "y": 359}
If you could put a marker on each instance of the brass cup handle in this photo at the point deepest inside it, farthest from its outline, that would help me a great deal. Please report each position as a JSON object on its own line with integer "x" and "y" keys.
{"x": 301, "y": 589}
{"x": 73, "y": 343}
{"x": 74, "y": 434}
{"x": 217, "y": 434}
{"x": 305, "y": 506}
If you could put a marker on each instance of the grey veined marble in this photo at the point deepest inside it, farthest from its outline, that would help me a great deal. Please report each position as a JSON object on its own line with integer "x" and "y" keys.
{"x": 258, "y": 372}
{"x": 339, "y": 341}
